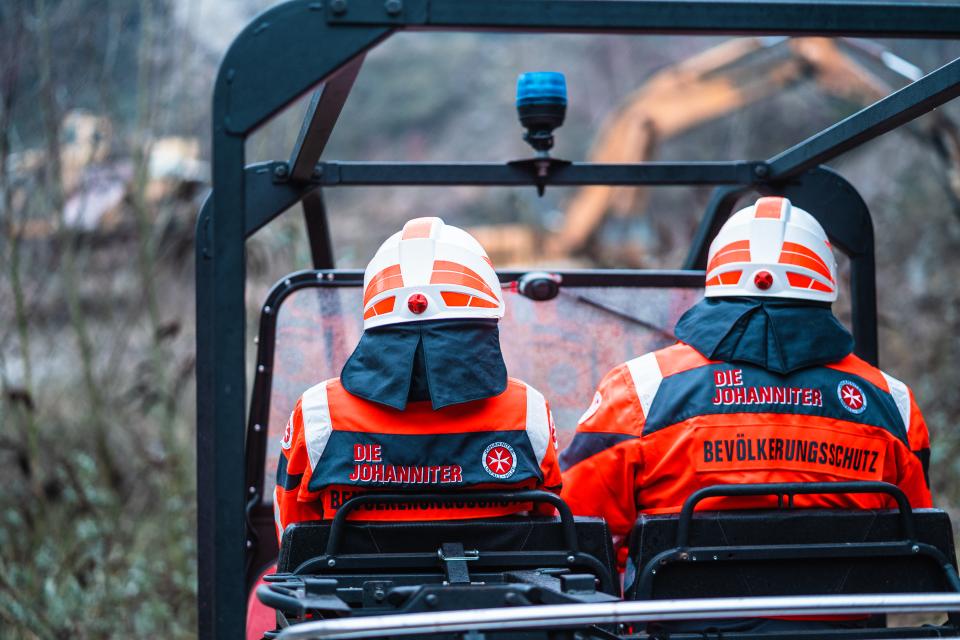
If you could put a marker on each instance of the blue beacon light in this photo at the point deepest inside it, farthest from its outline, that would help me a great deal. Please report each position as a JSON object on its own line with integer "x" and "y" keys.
{"x": 541, "y": 106}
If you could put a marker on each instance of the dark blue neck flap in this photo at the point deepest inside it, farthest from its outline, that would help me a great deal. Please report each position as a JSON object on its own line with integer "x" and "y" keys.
{"x": 445, "y": 361}
{"x": 778, "y": 335}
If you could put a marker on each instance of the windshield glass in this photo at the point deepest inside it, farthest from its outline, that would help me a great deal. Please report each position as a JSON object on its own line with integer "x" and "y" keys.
{"x": 563, "y": 347}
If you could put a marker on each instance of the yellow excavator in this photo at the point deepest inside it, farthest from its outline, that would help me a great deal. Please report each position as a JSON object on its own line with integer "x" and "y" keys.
{"x": 714, "y": 83}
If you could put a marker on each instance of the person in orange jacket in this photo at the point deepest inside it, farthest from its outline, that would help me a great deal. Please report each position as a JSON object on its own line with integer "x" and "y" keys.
{"x": 761, "y": 387}
{"x": 424, "y": 403}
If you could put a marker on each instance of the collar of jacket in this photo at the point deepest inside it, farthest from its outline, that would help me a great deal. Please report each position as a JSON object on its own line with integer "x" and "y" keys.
{"x": 444, "y": 361}
{"x": 779, "y": 335}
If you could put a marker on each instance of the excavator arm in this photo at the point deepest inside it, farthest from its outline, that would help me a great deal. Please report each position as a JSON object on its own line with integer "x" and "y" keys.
{"x": 714, "y": 83}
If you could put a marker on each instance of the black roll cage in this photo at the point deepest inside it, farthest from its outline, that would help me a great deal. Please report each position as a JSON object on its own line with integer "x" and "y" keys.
{"x": 300, "y": 44}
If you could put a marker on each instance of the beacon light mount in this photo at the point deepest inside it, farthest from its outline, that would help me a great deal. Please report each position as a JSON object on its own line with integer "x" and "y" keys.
{"x": 541, "y": 108}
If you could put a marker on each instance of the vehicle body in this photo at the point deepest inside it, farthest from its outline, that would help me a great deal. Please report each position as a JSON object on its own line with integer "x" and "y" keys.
{"x": 299, "y": 44}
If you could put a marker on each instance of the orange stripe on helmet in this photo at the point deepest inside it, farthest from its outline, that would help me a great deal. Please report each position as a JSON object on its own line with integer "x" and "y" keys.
{"x": 794, "y": 247}
{"x": 819, "y": 286}
{"x": 808, "y": 263}
{"x": 728, "y": 257}
{"x": 738, "y": 251}
{"x": 389, "y": 278}
{"x": 729, "y": 277}
{"x": 455, "y": 299}
{"x": 801, "y": 281}
{"x": 768, "y": 208}
{"x": 418, "y": 228}
{"x": 384, "y": 306}
{"x": 446, "y": 272}
{"x": 480, "y": 302}
{"x": 739, "y": 245}
{"x": 734, "y": 246}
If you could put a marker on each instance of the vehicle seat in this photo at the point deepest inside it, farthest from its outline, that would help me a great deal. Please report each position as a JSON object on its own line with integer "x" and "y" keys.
{"x": 715, "y": 564}
{"x": 308, "y": 540}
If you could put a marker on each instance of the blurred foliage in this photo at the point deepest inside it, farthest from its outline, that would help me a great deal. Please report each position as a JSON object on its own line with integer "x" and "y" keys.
{"x": 98, "y": 512}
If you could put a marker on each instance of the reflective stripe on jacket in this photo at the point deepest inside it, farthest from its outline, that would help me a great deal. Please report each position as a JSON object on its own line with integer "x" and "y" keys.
{"x": 670, "y": 422}
{"x": 337, "y": 445}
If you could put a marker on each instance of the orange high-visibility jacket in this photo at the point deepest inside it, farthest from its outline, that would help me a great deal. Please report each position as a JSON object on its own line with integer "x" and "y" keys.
{"x": 670, "y": 422}
{"x": 337, "y": 445}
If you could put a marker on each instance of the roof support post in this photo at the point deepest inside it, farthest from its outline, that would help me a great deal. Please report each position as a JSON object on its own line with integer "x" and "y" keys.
{"x": 281, "y": 55}
{"x": 318, "y": 229}
{"x": 900, "y": 107}
{"x": 322, "y": 113}
{"x": 221, "y": 384}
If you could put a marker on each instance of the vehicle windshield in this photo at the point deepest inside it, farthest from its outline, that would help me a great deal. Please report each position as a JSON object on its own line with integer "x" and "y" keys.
{"x": 563, "y": 347}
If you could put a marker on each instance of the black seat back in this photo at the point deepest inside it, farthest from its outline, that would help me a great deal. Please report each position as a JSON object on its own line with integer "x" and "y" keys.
{"x": 306, "y": 541}
{"x": 722, "y": 570}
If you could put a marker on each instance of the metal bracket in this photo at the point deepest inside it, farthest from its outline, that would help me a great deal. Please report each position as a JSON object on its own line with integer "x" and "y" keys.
{"x": 377, "y": 12}
{"x": 540, "y": 169}
{"x": 455, "y": 560}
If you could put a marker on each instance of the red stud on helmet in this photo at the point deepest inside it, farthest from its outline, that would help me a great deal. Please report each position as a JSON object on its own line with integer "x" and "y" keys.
{"x": 763, "y": 280}
{"x": 417, "y": 303}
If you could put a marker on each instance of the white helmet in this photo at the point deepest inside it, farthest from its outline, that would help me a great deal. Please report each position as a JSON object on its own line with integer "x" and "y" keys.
{"x": 430, "y": 271}
{"x": 772, "y": 249}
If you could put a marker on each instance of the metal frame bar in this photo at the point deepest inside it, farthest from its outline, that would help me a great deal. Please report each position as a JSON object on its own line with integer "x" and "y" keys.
{"x": 362, "y": 174}
{"x": 293, "y": 47}
{"x": 318, "y": 229}
{"x": 835, "y": 18}
{"x": 442, "y": 589}
{"x": 581, "y": 615}
{"x": 322, "y": 113}
{"x": 900, "y": 107}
